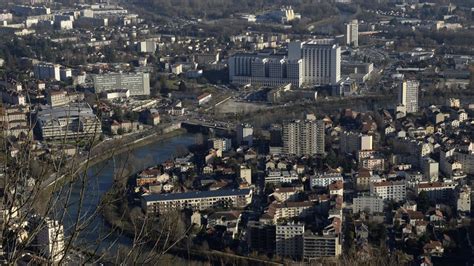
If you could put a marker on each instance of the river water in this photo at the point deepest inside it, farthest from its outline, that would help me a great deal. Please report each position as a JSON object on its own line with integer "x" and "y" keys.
{"x": 97, "y": 234}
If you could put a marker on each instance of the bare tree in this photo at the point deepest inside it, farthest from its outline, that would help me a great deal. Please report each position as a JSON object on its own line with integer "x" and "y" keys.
{"x": 47, "y": 214}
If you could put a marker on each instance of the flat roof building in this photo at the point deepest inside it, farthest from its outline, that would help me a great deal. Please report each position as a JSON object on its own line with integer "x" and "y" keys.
{"x": 71, "y": 121}
{"x": 196, "y": 200}
{"x": 136, "y": 83}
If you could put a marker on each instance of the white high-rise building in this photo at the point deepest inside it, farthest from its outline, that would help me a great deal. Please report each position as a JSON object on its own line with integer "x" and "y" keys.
{"x": 408, "y": 95}
{"x": 303, "y": 137}
{"x": 352, "y": 33}
{"x": 51, "y": 240}
{"x": 321, "y": 62}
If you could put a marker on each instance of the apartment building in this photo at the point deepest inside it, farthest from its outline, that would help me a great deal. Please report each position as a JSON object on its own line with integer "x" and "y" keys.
{"x": 351, "y": 142}
{"x": 321, "y": 61}
{"x": 389, "y": 190}
{"x": 15, "y": 121}
{"x": 408, "y": 95}
{"x": 303, "y": 137}
{"x": 324, "y": 179}
{"x": 289, "y": 240}
{"x": 196, "y": 200}
{"x": 466, "y": 159}
{"x": 148, "y": 46}
{"x": 375, "y": 163}
{"x": 265, "y": 70}
{"x": 368, "y": 203}
{"x": 283, "y": 194}
{"x": 280, "y": 177}
{"x": 287, "y": 209}
{"x": 352, "y": 33}
{"x": 59, "y": 98}
{"x": 321, "y": 246}
{"x": 246, "y": 174}
{"x": 463, "y": 202}
{"x": 436, "y": 190}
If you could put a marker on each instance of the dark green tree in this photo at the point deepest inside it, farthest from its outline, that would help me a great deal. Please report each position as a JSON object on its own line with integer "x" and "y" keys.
{"x": 423, "y": 202}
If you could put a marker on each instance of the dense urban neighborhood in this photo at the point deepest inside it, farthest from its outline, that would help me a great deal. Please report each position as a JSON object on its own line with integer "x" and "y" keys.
{"x": 209, "y": 132}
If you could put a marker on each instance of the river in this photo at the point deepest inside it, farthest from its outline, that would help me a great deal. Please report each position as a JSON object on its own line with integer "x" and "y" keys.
{"x": 100, "y": 179}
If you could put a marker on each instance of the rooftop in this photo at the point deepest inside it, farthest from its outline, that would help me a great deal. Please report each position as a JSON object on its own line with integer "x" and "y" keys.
{"x": 197, "y": 194}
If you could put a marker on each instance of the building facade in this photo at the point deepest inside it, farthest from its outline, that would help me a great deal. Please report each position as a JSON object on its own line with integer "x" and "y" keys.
{"x": 289, "y": 240}
{"x": 389, "y": 190}
{"x": 244, "y": 134}
{"x": 352, "y": 33}
{"x": 437, "y": 190}
{"x": 68, "y": 122}
{"x": 311, "y": 63}
{"x": 50, "y": 238}
{"x": 136, "y": 83}
{"x": 196, "y": 200}
{"x": 321, "y": 62}
{"x": 303, "y": 137}
{"x": 47, "y": 71}
{"x": 317, "y": 247}
{"x": 408, "y": 95}
{"x": 265, "y": 70}
{"x": 368, "y": 203}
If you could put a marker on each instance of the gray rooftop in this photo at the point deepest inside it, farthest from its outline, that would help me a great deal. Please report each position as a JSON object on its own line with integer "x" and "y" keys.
{"x": 196, "y": 194}
{"x": 71, "y": 111}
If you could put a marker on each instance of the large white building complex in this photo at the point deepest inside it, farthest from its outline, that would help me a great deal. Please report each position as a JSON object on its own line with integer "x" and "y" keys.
{"x": 321, "y": 61}
{"x": 136, "y": 83}
{"x": 303, "y": 137}
{"x": 265, "y": 69}
{"x": 311, "y": 63}
{"x": 68, "y": 122}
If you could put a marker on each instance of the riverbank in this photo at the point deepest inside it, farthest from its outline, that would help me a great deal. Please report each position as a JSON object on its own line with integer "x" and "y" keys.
{"x": 113, "y": 148}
